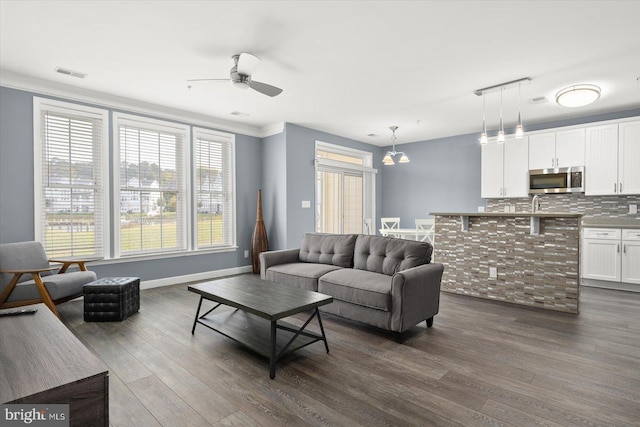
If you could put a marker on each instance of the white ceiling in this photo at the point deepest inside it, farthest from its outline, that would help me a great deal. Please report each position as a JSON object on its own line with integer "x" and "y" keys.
{"x": 347, "y": 68}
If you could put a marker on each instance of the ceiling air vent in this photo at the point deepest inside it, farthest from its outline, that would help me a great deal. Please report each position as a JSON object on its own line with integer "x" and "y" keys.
{"x": 239, "y": 114}
{"x": 68, "y": 72}
{"x": 539, "y": 100}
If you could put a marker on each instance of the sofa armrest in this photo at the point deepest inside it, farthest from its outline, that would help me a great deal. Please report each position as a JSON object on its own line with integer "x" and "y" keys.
{"x": 415, "y": 295}
{"x": 271, "y": 258}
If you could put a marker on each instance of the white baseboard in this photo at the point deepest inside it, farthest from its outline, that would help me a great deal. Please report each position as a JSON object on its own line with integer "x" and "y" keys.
{"x": 166, "y": 281}
{"x": 620, "y": 286}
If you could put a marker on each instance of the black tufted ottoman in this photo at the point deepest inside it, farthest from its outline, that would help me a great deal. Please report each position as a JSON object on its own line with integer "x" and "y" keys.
{"x": 111, "y": 299}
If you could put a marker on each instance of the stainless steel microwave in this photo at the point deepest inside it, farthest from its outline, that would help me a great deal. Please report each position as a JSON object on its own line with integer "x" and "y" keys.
{"x": 558, "y": 180}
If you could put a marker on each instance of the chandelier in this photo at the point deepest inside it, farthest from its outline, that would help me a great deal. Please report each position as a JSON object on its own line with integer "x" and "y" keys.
{"x": 388, "y": 158}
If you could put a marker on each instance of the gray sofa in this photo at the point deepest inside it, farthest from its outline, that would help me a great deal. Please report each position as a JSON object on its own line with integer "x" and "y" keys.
{"x": 381, "y": 281}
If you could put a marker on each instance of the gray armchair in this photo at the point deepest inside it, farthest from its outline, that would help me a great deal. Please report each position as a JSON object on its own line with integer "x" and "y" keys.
{"x": 26, "y": 277}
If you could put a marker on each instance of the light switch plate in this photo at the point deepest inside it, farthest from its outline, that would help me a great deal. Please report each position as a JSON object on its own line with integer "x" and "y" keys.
{"x": 306, "y": 204}
{"x": 633, "y": 209}
{"x": 493, "y": 272}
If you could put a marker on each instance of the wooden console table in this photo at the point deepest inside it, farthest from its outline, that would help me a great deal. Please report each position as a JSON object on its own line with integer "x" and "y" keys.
{"x": 42, "y": 362}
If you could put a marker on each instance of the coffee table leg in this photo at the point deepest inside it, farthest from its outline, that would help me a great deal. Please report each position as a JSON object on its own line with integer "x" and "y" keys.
{"x": 196, "y": 318}
{"x": 272, "y": 358}
{"x": 324, "y": 337}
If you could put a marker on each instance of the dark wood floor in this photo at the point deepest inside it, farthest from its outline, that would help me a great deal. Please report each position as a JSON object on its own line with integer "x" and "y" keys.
{"x": 483, "y": 363}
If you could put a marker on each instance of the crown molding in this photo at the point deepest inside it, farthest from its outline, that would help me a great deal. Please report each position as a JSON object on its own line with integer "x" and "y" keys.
{"x": 272, "y": 129}
{"x": 13, "y": 80}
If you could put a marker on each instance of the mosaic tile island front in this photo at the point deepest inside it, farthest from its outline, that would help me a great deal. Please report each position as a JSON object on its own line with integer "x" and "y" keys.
{"x": 538, "y": 270}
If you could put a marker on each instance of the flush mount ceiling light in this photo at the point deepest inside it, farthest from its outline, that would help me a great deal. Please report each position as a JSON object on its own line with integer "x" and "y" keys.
{"x": 578, "y": 95}
{"x": 388, "y": 158}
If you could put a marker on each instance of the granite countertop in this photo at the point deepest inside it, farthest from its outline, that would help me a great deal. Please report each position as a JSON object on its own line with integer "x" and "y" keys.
{"x": 512, "y": 214}
{"x": 604, "y": 222}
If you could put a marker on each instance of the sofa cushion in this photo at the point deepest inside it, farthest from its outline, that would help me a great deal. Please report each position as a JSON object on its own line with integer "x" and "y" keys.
{"x": 388, "y": 255}
{"x": 334, "y": 249}
{"x": 358, "y": 287}
{"x": 299, "y": 274}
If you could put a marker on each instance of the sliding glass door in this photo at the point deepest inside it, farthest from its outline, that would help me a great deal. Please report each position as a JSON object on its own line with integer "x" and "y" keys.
{"x": 345, "y": 189}
{"x": 339, "y": 202}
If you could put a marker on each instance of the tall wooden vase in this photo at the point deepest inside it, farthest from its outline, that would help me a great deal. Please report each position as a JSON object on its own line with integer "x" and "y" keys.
{"x": 259, "y": 242}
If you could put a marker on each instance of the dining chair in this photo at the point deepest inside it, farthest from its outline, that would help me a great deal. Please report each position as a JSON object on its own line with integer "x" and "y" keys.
{"x": 389, "y": 224}
{"x": 426, "y": 230}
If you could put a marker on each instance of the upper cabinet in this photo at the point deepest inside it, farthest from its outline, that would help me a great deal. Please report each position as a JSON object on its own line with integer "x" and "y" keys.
{"x": 557, "y": 149}
{"x": 612, "y": 159}
{"x": 610, "y": 153}
{"x": 505, "y": 169}
{"x": 629, "y": 158}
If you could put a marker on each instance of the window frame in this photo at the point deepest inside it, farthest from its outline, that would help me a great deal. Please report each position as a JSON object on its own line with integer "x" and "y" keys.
{"x": 45, "y": 104}
{"x": 366, "y": 170}
{"x": 183, "y": 235}
{"x": 222, "y": 137}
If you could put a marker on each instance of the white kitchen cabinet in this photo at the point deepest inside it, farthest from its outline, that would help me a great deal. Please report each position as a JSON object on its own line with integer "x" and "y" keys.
{"x": 557, "y": 149}
{"x": 492, "y": 167}
{"x": 611, "y": 254}
{"x": 601, "y": 174}
{"x": 570, "y": 148}
{"x": 542, "y": 151}
{"x": 612, "y": 159}
{"x": 601, "y": 259}
{"x": 505, "y": 169}
{"x": 630, "y": 269}
{"x": 629, "y": 158}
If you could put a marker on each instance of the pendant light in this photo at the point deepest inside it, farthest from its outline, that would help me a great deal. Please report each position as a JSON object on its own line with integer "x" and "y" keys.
{"x": 388, "y": 158}
{"x": 483, "y": 135}
{"x": 501, "y": 130}
{"x": 519, "y": 128}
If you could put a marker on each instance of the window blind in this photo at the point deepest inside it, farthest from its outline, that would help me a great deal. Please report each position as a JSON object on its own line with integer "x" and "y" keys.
{"x": 72, "y": 189}
{"x": 214, "y": 172}
{"x": 152, "y": 193}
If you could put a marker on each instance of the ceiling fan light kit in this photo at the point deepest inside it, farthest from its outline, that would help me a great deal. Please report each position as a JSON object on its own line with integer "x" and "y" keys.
{"x": 244, "y": 64}
{"x": 388, "y": 158}
{"x": 578, "y": 95}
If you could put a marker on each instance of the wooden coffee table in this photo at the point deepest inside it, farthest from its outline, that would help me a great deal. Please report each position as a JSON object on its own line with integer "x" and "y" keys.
{"x": 260, "y": 304}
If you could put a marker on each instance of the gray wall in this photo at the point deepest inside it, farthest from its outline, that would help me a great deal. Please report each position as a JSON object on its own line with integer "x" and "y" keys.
{"x": 274, "y": 185}
{"x": 301, "y": 177}
{"x": 444, "y": 174}
{"x": 16, "y": 196}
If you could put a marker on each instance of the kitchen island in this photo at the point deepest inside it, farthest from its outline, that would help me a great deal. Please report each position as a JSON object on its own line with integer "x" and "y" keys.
{"x": 535, "y": 257}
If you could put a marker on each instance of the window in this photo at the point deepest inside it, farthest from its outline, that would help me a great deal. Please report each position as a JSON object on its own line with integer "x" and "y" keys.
{"x": 70, "y": 182}
{"x": 214, "y": 189}
{"x": 344, "y": 190}
{"x": 152, "y": 186}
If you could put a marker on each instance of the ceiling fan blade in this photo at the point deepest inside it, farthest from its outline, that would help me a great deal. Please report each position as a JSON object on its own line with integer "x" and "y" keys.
{"x": 208, "y": 80}
{"x": 247, "y": 63}
{"x": 265, "y": 88}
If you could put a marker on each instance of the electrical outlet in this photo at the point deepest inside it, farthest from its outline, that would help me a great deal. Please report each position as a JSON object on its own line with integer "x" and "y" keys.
{"x": 493, "y": 272}
{"x": 246, "y": 254}
{"x": 306, "y": 204}
{"x": 633, "y": 209}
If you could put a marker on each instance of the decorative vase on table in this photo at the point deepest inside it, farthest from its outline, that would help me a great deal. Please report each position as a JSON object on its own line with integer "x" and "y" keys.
{"x": 259, "y": 242}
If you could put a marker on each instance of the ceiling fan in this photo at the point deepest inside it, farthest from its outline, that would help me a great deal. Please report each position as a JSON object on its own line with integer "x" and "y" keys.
{"x": 240, "y": 75}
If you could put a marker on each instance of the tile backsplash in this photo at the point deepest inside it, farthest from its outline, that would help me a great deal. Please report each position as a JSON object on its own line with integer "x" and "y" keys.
{"x": 589, "y": 206}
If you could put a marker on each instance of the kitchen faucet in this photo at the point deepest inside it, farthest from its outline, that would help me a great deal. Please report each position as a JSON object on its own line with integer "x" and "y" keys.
{"x": 535, "y": 204}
